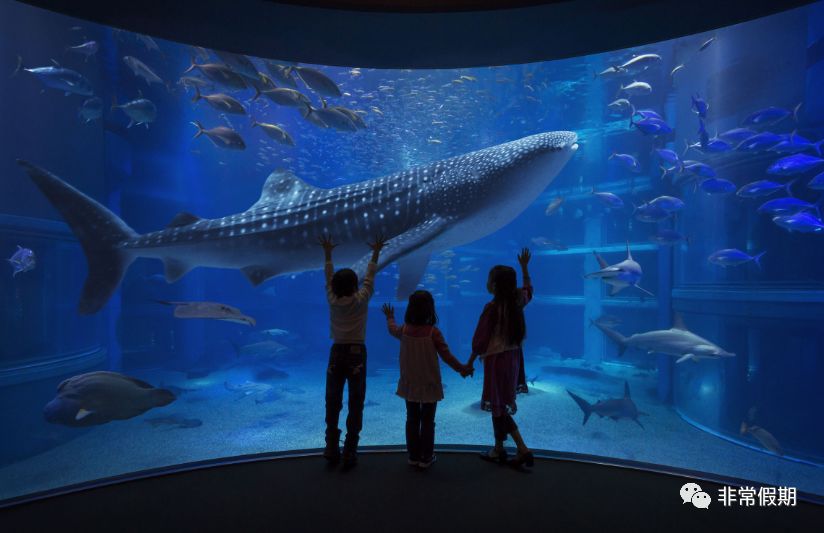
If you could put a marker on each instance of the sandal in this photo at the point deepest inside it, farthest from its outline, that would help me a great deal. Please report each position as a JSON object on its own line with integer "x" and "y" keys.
{"x": 494, "y": 456}
{"x": 522, "y": 459}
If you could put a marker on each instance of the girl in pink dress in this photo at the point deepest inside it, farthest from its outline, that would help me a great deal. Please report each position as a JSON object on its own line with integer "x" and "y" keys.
{"x": 497, "y": 341}
{"x": 420, "y": 380}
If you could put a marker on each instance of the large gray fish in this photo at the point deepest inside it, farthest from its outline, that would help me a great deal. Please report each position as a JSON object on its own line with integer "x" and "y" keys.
{"x": 140, "y": 111}
{"x": 220, "y": 74}
{"x": 317, "y": 81}
{"x": 221, "y": 136}
{"x": 273, "y": 131}
{"x": 287, "y": 97}
{"x": 614, "y": 408}
{"x": 627, "y": 273}
{"x": 281, "y": 73}
{"x": 331, "y": 117}
{"x": 100, "y": 397}
{"x": 57, "y": 77}
{"x": 91, "y": 110}
{"x": 86, "y": 49}
{"x": 141, "y": 70}
{"x": 238, "y": 63}
{"x": 677, "y": 341}
{"x": 424, "y": 210}
{"x": 210, "y": 310}
{"x": 221, "y": 102}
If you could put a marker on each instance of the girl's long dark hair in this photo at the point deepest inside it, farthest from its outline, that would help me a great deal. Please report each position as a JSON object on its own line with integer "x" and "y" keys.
{"x": 421, "y": 309}
{"x": 506, "y": 300}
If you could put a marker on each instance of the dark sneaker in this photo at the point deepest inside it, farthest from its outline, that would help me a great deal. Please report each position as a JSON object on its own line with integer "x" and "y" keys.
{"x": 332, "y": 450}
{"x": 427, "y": 463}
{"x": 350, "y": 458}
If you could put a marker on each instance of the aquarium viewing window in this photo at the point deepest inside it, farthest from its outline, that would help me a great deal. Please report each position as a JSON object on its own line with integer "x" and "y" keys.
{"x": 164, "y": 297}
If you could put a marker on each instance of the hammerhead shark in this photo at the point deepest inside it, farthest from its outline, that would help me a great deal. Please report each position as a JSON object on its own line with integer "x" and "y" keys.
{"x": 627, "y": 273}
{"x": 614, "y": 408}
{"x": 423, "y": 210}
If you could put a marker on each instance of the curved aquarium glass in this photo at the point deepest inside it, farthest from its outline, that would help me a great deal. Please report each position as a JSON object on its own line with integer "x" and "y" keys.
{"x": 670, "y": 195}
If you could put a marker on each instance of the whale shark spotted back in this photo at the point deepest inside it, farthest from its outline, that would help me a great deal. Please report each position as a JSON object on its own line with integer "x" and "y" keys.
{"x": 422, "y": 211}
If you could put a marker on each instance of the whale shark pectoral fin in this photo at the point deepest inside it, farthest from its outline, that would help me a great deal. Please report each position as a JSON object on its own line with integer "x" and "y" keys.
{"x": 411, "y": 268}
{"x": 258, "y": 274}
{"x": 175, "y": 269}
{"x": 404, "y": 244}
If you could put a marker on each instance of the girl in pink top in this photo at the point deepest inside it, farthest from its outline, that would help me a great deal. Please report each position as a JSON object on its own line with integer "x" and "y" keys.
{"x": 420, "y": 381}
{"x": 497, "y": 341}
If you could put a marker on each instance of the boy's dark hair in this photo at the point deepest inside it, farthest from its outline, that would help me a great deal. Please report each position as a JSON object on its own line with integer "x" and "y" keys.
{"x": 421, "y": 309}
{"x": 504, "y": 283}
{"x": 344, "y": 282}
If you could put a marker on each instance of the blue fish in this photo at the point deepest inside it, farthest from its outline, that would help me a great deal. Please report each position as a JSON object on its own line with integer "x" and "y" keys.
{"x": 801, "y": 222}
{"x": 758, "y": 142}
{"x": 699, "y": 169}
{"x": 703, "y": 136}
{"x": 817, "y": 183}
{"x": 793, "y": 143}
{"x": 795, "y": 164}
{"x": 651, "y": 126}
{"x": 736, "y": 135}
{"x": 717, "y": 186}
{"x": 771, "y": 115}
{"x": 651, "y": 213}
{"x": 647, "y": 113}
{"x": 23, "y": 260}
{"x": 715, "y": 145}
{"x": 627, "y": 160}
{"x": 699, "y": 106}
{"x": 668, "y": 155}
{"x": 609, "y": 199}
{"x": 759, "y": 188}
{"x": 57, "y": 77}
{"x": 671, "y": 204}
{"x": 668, "y": 237}
{"x": 734, "y": 257}
{"x": 785, "y": 205}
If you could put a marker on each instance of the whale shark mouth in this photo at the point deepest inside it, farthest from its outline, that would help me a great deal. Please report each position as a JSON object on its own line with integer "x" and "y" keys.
{"x": 412, "y": 207}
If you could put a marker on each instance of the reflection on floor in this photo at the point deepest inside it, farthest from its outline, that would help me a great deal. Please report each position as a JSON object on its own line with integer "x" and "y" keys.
{"x": 288, "y": 414}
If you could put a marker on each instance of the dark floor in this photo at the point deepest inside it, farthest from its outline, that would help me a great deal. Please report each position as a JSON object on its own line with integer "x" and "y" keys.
{"x": 383, "y": 494}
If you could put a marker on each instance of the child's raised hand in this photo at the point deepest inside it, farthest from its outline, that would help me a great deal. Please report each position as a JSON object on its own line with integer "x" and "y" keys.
{"x": 378, "y": 244}
{"x": 524, "y": 257}
{"x": 325, "y": 241}
{"x": 388, "y": 310}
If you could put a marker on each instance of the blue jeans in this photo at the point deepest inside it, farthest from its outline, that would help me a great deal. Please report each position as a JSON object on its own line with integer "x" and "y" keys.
{"x": 347, "y": 363}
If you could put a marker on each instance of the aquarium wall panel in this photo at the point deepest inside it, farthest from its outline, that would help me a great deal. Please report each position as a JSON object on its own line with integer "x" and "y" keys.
{"x": 161, "y": 231}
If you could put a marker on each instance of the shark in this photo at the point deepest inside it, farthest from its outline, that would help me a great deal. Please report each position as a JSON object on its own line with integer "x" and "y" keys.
{"x": 621, "y": 275}
{"x": 422, "y": 210}
{"x": 614, "y": 408}
{"x": 677, "y": 341}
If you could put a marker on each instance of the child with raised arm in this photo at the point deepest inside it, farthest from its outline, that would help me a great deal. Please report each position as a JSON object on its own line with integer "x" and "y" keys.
{"x": 497, "y": 341}
{"x": 420, "y": 380}
{"x": 348, "y": 306}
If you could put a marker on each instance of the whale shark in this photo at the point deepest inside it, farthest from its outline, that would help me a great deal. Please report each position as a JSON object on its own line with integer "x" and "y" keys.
{"x": 422, "y": 210}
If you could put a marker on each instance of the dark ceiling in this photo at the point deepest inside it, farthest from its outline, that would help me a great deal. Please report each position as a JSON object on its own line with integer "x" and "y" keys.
{"x": 418, "y": 34}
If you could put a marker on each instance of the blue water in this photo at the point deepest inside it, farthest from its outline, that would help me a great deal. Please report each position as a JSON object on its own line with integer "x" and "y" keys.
{"x": 769, "y": 316}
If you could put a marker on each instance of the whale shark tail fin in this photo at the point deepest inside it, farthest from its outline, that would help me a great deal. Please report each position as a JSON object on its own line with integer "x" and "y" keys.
{"x": 585, "y": 406}
{"x": 616, "y": 337}
{"x": 99, "y": 231}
